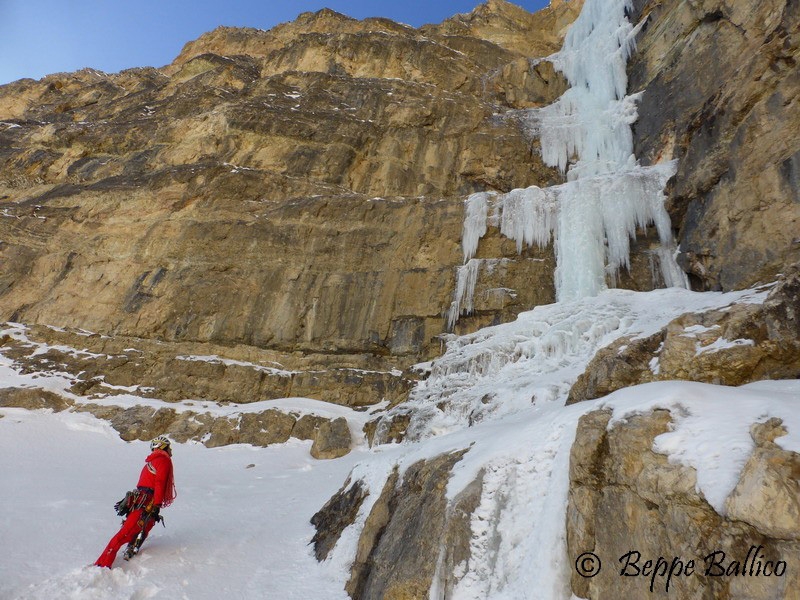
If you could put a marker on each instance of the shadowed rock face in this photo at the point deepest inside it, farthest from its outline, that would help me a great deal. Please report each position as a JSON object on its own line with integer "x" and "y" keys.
{"x": 297, "y": 190}
{"x": 413, "y": 537}
{"x": 338, "y": 513}
{"x": 721, "y": 94}
{"x": 400, "y": 546}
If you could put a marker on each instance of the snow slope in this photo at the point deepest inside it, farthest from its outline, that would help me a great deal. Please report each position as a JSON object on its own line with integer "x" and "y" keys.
{"x": 503, "y": 369}
{"x": 243, "y": 531}
{"x": 234, "y": 528}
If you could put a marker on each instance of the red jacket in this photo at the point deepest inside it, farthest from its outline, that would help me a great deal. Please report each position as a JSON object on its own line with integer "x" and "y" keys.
{"x": 157, "y": 475}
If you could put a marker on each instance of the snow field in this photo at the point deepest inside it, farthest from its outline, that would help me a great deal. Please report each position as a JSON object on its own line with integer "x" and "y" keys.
{"x": 244, "y": 529}
{"x": 234, "y": 529}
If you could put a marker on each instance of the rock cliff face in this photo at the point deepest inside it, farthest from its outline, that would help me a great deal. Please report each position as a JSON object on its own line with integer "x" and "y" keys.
{"x": 734, "y": 204}
{"x": 721, "y": 89}
{"x": 296, "y": 191}
{"x": 278, "y": 213}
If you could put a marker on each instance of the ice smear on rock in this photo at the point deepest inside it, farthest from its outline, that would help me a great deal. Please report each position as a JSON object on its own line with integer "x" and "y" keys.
{"x": 512, "y": 367}
{"x": 464, "y": 297}
{"x": 476, "y": 212}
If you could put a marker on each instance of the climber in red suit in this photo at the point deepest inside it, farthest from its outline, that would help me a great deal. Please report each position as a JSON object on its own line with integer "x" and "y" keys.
{"x": 154, "y": 491}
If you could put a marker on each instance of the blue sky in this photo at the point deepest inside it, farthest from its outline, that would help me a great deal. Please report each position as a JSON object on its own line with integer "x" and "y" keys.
{"x": 38, "y": 37}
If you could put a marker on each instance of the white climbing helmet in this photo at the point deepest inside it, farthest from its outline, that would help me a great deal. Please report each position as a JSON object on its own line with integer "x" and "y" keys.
{"x": 160, "y": 442}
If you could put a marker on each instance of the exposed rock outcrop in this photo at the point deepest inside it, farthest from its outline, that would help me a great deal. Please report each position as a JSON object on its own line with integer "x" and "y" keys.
{"x": 331, "y": 438}
{"x": 31, "y": 399}
{"x": 278, "y": 213}
{"x": 102, "y": 365}
{"x": 768, "y": 493}
{"x": 625, "y": 497}
{"x": 399, "y": 552}
{"x": 732, "y": 346}
{"x": 508, "y": 25}
{"x": 337, "y": 514}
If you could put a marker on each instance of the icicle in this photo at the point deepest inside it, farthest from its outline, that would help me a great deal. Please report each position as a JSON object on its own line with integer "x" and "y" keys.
{"x": 466, "y": 278}
{"x": 608, "y": 196}
{"x": 527, "y": 217}
{"x": 476, "y": 209}
{"x": 673, "y": 275}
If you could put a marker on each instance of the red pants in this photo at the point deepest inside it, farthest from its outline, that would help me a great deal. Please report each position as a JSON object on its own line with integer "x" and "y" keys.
{"x": 130, "y": 528}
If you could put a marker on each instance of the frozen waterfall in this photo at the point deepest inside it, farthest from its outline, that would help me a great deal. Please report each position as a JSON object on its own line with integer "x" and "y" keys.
{"x": 592, "y": 217}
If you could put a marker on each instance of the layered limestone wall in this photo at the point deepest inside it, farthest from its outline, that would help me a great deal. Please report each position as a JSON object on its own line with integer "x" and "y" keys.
{"x": 721, "y": 91}
{"x": 299, "y": 191}
{"x": 97, "y": 365}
